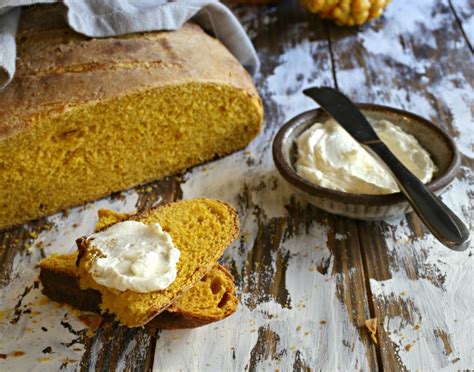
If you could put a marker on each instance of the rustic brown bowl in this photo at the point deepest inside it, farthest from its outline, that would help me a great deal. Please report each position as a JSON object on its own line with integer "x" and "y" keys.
{"x": 362, "y": 206}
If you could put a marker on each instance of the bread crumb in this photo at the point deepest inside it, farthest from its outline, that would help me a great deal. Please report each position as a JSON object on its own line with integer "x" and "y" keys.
{"x": 408, "y": 347}
{"x": 371, "y": 325}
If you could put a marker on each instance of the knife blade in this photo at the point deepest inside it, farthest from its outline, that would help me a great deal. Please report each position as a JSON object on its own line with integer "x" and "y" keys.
{"x": 342, "y": 110}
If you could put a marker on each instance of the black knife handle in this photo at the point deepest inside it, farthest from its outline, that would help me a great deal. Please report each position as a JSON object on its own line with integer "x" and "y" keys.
{"x": 439, "y": 219}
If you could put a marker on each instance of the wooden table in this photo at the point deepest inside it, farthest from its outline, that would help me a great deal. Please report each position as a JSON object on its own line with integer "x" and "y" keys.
{"x": 307, "y": 280}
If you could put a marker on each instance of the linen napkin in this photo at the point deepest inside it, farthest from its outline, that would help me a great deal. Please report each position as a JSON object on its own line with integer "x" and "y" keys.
{"x": 102, "y": 18}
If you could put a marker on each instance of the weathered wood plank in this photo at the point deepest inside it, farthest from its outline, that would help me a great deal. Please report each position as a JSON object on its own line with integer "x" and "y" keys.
{"x": 416, "y": 58}
{"x": 115, "y": 348}
{"x": 298, "y": 271}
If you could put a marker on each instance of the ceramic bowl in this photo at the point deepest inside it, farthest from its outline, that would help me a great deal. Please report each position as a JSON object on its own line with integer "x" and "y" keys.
{"x": 362, "y": 206}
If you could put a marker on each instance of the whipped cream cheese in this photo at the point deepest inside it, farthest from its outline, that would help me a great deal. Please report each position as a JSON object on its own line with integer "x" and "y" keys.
{"x": 328, "y": 156}
{"x": 134, "y": 256}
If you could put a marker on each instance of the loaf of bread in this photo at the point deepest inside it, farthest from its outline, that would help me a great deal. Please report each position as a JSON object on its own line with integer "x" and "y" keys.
{"x": 200, "y": 228}
{"x": 85, "y": 117}
{"x": 211, "y": 299}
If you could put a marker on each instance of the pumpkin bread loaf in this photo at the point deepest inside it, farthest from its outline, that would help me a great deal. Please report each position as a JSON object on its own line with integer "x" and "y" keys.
{"x": 85, "y": 117}
{"x": 200, "y": 228}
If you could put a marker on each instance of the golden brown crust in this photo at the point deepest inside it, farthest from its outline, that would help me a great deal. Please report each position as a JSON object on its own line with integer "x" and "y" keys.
{"x": 52, "y": 59}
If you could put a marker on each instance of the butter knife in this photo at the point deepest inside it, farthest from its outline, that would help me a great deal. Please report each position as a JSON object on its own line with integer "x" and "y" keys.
{"x": 438, "y": 218}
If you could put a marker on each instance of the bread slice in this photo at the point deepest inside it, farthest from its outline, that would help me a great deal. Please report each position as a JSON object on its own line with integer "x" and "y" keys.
{"x": 210, "y": 300}
{"x": 200, "y": 228}
{"x": 85, "y": 117}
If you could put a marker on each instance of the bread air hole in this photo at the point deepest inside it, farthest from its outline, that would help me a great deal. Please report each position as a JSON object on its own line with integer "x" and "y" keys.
{"x": 223, "y": 301}
{"x": 216, "y": 285}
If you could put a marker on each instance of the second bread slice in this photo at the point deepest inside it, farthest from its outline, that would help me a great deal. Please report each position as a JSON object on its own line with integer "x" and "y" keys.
{"x": 200, "y": 228}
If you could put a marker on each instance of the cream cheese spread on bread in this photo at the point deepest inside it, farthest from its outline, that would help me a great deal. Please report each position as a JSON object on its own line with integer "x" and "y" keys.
{"x": 134, "y": 256}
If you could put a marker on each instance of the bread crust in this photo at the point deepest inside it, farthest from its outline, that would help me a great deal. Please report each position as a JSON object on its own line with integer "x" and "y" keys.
{"x": 52, "y": 58}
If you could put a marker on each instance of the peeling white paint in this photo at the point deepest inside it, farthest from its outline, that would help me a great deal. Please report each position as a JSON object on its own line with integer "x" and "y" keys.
{"x": 442, "y": 304}
{"x": 458, "y": 94}
{"x": 403, "y": 18}
{"x": 292, "y": 75}
{"x": 316, "y": 324}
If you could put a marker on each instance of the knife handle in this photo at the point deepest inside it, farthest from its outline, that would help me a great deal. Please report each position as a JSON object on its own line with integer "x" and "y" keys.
{"x": 440, "y": 220}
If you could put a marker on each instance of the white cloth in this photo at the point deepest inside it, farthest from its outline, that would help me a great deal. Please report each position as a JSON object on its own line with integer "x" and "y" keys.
{"x": 102, "y": 18}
